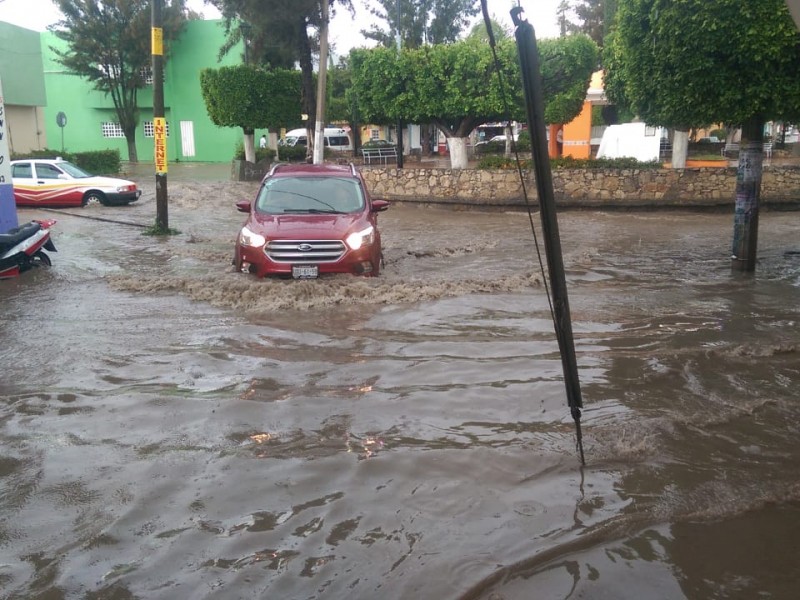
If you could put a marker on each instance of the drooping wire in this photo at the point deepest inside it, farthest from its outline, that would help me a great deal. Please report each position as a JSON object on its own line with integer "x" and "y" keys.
{"x": 575, "y": 408}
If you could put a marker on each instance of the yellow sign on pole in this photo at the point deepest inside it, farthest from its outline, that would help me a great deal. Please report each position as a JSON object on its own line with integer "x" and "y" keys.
{"x": 157, "y": 41}
{"x": 160, "y": 135}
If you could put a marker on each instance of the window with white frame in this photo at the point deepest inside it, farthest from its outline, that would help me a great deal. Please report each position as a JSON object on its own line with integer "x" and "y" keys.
{"x": 110, "y": 71}
{"x": 112, "y": 130}
{"x": 374, "y": 134}
{"x": 146, "y": 73}
{"x": 149, "y": 130}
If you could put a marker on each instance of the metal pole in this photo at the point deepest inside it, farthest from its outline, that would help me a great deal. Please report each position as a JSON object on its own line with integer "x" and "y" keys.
{"x": 534, "y": 102}
{"x": 748, "y": 194}
{"x": 322, "y": 88}
{"x": 399, "y": 121}
{"x": 159, "y": 122}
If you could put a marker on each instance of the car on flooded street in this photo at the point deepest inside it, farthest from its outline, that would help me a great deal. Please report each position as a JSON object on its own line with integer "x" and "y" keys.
{"x": 310, "y": 220}
{"x": 59, "y": 183}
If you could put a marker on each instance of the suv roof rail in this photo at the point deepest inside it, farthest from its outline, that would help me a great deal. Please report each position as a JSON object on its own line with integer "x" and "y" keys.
{"x": 275, "y": 168}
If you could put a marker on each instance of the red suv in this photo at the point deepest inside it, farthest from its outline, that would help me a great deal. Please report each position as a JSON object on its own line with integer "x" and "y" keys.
{"x": 309, "y": 220}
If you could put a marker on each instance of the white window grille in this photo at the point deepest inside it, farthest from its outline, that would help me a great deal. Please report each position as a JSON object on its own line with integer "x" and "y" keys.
{"x": 111, "y": 71}
{"x": 146, "y": 73}
{"x": 112, "y": 130}
{"x": 374, "y": 134}
{"x": 149, "y": 130}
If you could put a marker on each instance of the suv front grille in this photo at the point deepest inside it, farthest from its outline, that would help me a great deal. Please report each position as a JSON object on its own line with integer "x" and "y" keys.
{"x": 292, "y": 251}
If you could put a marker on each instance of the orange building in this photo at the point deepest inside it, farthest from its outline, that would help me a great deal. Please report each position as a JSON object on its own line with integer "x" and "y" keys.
{"x": 576, "y": 136}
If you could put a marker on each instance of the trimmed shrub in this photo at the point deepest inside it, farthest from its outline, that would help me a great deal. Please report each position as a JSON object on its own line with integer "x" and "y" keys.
{"x": 98, "y": 162}
{"x": 261, "y": 153}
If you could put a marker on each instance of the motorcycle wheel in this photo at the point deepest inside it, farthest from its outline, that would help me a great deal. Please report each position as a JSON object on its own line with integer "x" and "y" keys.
{"x": 40, "y": 259}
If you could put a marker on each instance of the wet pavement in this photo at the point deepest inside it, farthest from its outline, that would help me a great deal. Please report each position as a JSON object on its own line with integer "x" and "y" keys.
{"x": 172, "y": 429}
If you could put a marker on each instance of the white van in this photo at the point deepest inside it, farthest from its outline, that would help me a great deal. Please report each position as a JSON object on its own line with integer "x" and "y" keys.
{"x": 336, "y": 139}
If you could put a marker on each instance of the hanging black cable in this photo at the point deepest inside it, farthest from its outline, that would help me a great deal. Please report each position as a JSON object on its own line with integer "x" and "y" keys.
{"x": 559, "y": 304}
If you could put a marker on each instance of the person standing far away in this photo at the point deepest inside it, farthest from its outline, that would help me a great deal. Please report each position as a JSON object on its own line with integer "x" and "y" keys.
{"x": 263, "y": 142}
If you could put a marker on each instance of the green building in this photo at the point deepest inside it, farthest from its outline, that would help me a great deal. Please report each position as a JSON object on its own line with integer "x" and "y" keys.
{"x": 38, "y": 88}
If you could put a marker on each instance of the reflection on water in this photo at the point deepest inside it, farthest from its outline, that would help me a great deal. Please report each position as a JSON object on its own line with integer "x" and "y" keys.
{"x": 171, "y": 429}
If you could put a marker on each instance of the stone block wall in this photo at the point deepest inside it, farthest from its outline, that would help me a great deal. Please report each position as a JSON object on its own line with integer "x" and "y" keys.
{"x": 590, "y": 188}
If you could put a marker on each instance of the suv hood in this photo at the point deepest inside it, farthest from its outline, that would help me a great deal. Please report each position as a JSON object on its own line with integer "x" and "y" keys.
{"x": 311, "y": 226}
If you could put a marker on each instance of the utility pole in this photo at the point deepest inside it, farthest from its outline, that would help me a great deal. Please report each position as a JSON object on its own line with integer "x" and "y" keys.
{"x": 159, "y": 122}
{"x": 322, "y": 86}
{"x": 399, "y": 121}
{"x": 748, "y": 195}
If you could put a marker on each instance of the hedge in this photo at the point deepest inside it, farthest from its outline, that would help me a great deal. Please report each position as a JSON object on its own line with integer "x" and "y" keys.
{"x": 98, "y": 162}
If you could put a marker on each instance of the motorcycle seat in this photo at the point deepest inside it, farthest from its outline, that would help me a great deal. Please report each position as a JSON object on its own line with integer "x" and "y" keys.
{"x": 16, "y": 235}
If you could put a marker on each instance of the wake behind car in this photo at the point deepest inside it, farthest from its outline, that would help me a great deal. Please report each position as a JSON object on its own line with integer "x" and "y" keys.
{"x": 58, "y": 183}
{"x": 310, "y": 220}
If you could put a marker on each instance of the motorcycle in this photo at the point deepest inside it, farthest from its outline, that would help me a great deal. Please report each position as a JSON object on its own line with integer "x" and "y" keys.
{"x": 23, "y": 248}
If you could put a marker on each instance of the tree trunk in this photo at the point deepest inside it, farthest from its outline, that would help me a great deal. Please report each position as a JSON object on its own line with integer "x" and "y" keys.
{"x": 249, "y": 145}
{"x": 748, "y": 194}
{"x": 425, "y": 137}
{"x": 133, "y": 156}
{"x": 680, "y": 148}
{"x": 458, "y": 152}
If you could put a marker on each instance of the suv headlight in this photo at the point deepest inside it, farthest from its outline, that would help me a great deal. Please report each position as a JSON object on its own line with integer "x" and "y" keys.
{"x": 250, "y": 238}
{"x": 365, "y": 237}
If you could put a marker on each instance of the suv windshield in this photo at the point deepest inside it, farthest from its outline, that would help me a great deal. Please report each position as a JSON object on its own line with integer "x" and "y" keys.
{"x": 309, "y": 195}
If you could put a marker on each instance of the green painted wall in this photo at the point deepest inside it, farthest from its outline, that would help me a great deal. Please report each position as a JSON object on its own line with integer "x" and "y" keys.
{"x": 87, "y": 109}
{"x": 21, "y": 66}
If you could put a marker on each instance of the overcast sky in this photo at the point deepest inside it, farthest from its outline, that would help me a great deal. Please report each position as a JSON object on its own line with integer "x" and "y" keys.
{"x": 344, "y": 30}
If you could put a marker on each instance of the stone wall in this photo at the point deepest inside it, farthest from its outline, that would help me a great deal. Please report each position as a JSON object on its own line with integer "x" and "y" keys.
{"x": 595, "y": 188}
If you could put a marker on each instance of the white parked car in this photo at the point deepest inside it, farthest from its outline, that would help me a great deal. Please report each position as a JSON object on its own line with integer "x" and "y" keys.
{"x": 56, "y": 182}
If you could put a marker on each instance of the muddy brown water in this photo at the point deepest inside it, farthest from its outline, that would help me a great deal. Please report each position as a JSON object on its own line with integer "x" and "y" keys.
{"x": 171, "y": 429}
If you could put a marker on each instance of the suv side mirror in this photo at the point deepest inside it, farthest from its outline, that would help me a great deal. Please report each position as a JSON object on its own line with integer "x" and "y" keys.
{"x": 243, "y": 206}
{"x": 379, "y": 205}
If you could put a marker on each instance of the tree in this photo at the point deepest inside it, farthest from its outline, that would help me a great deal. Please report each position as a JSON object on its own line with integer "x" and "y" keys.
{"x": 342, "y": 105}
{"x": 421, "y": 21}
{"x": 251, "y": 98}
{"x": 565, "y": 24}
{"x": 591, "y": 14}
{"x": 455, "y": 87}
{"x": 480, "y": 33}
{"x": 280, "y": 36}
{"x": 109, "y": 44}
{"x": 691, "y": 63}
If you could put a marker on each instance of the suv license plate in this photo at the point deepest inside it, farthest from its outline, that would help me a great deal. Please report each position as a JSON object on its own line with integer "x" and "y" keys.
{"x": 305, "y": 271}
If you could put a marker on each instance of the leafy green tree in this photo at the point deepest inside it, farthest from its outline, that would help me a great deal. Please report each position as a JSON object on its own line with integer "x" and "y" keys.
{"x": 342, "y": 105}
{"x": 455, "y": 87}
{"x": 564, "y": 15}
{"x": 251, "y": 98}
{"x": 109, "y": 44}
{"x": 279, "y": 35}
{"x": 421, "y": 21}
{"x": 591, "y": 14}
{"x": 694, "y": 62}
{"x": 480, "y": 33}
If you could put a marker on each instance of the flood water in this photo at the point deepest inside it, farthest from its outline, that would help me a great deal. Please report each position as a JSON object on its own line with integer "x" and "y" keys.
{"x": 171, "y": 429}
